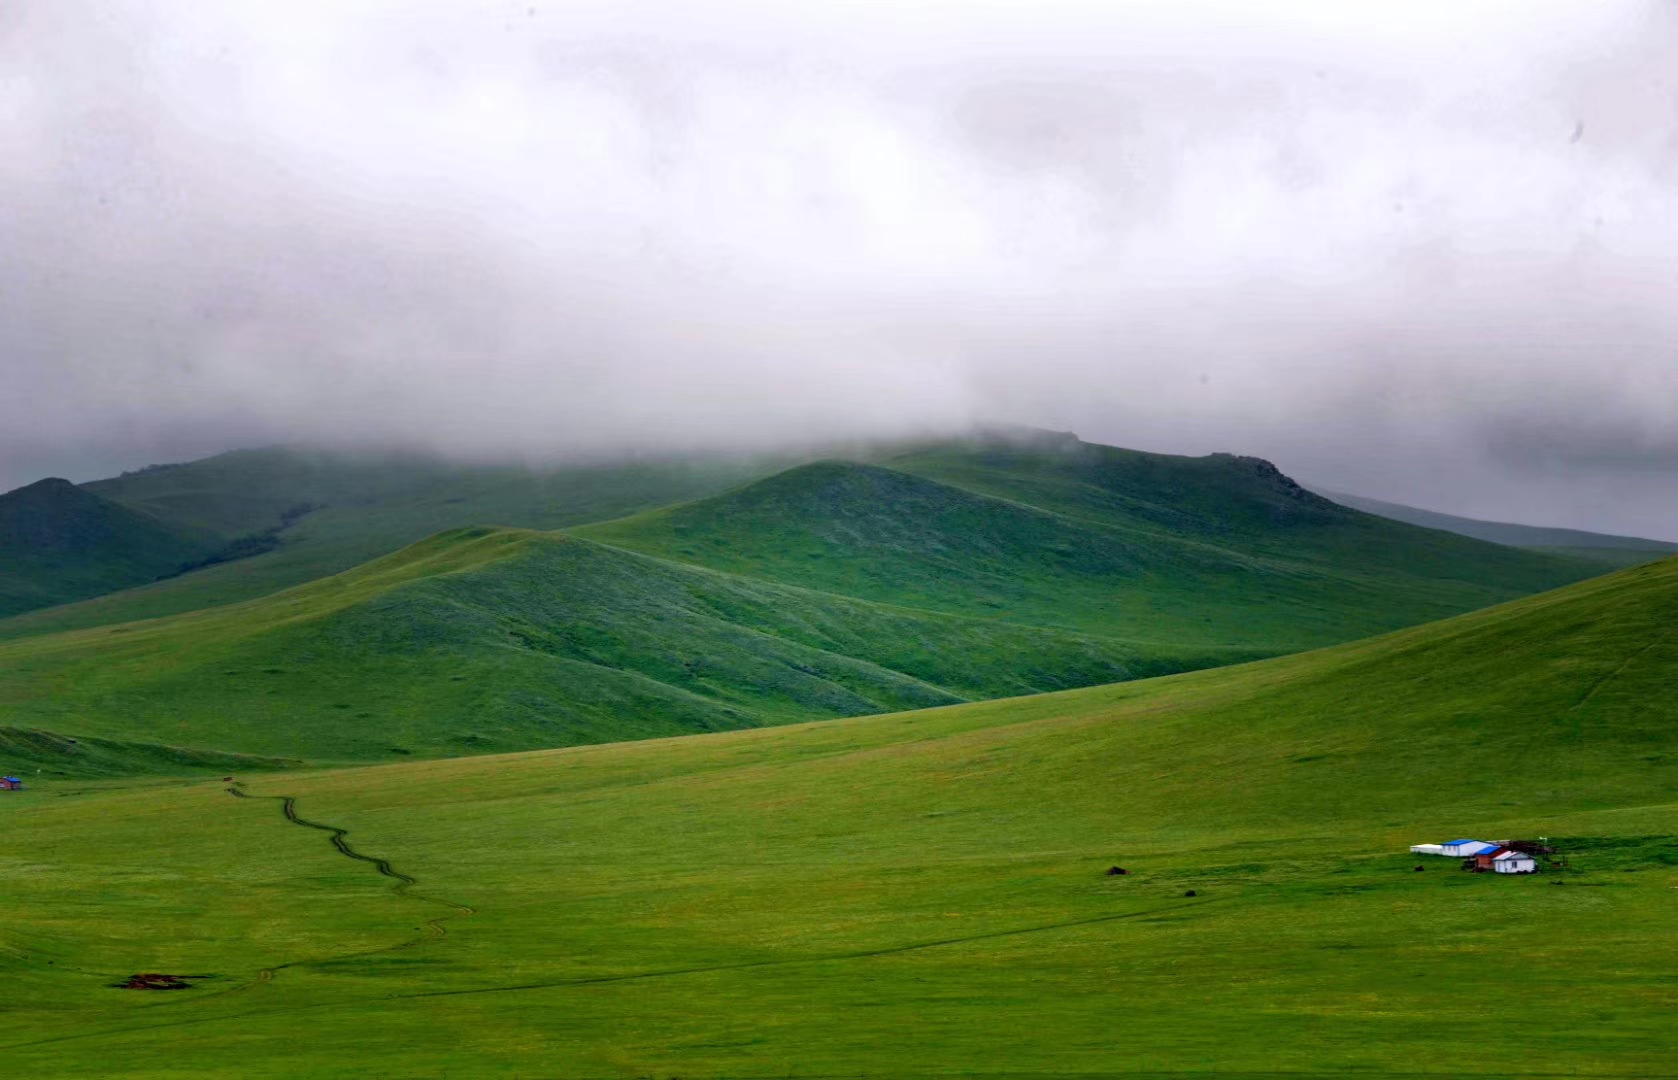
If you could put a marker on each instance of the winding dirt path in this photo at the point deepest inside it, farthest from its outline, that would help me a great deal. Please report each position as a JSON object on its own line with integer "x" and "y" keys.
{"x": 433, "y": 928}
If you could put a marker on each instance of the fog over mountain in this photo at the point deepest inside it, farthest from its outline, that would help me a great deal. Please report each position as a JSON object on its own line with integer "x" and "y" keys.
{"x": 1428, "y": 252}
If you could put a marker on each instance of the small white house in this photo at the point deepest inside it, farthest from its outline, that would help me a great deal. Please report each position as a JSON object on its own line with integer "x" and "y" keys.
{"x": 1514, "y": 862}
{"x": 1466, "y": 848}
{"x": 1427, "y": 849}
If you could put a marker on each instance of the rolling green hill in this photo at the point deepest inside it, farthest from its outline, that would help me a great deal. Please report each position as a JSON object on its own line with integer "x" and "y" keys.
{"x": 303, "y": 514}
{"x": 921, "y": 894}
{"x": 830, "y": 589}
{"x": 486, "y": 639}
{"x": 1607, "y": 549}
{"x": 58, "y": 543}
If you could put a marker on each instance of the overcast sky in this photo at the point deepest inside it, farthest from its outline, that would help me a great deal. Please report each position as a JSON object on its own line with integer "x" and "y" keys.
{"x": 1426, "y": 252}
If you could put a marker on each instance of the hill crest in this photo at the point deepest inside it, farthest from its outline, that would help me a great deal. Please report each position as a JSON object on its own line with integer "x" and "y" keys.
{"x": 1096, "y": 539}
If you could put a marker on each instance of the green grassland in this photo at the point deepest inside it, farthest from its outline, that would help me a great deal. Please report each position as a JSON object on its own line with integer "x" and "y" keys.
{"x": 918, "y": 894}
{"x": 304, "y": 514}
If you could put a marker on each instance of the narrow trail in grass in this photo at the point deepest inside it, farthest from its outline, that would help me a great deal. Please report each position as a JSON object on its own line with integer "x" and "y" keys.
{"x": 433, "y": 928}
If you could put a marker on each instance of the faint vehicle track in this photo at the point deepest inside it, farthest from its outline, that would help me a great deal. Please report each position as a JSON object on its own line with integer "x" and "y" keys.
{"x": 863, "y": 954}
{"x": 1611, "y": 676}
{"x": 632, "y": 976}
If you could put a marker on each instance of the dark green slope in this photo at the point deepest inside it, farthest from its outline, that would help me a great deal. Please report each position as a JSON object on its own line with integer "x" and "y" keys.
{"x": 499, "y": 640}
{"x": 310, "y": 513}
{"x": 1241, "y": 504}
{"x": 60, "y": 543}
{"x": 1182, "y": 551}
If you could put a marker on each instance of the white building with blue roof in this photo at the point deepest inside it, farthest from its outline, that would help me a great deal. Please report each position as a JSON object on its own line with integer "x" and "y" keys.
{"x": 1466, "y": 848}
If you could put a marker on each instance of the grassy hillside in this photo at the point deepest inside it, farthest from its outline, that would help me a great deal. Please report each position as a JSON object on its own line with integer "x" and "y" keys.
{"x": 60, "y": 543}
{"x": 922, "y": 894}
{"x": 1604, "y": 548}
{"x": 1188, "y": 551}
{"x": 831, "y": 589}
{"x": 484, "y": 639}
{"x": 312, "y": 513}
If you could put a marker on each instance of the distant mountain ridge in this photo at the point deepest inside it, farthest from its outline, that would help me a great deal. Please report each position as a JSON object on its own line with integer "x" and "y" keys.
{"x": 287, "y": 515}
{"x": 1611, "y": 550}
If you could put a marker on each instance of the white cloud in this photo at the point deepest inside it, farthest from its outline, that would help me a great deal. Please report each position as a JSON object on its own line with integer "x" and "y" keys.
{"x": 1363, "y": 239}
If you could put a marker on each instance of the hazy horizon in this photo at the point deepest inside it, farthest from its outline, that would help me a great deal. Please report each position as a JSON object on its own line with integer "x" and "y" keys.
{"x": 1424, "y": 255}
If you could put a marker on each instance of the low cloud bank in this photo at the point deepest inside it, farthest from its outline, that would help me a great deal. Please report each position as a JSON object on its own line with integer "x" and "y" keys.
{"x": 1431, "y": 260}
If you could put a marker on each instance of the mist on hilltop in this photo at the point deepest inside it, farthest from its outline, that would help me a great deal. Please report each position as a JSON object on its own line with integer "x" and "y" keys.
{"x": 1428, "y": 260}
